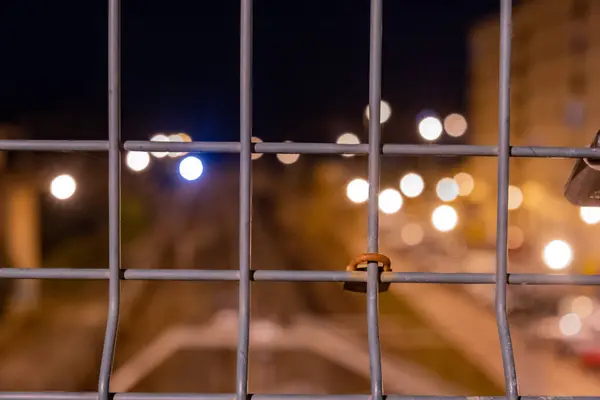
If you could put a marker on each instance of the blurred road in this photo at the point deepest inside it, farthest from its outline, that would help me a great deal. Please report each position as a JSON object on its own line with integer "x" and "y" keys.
{"x": 201, "y": 230}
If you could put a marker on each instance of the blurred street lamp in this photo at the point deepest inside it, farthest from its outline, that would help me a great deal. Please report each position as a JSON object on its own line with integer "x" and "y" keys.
{"x": 444, "y": 218}
{"x": 137, "y": 160}
{"x": 590, "y": 215}
{"x": 412, "y": 185}
{"x": 191, "y": 168}
{"x": 256, "y": 156}
{"x": 447, "y": 189}
{"x": 583, "y": 306}
{"x": 515, "y": 197}
{"x": 288, "y": 158}
{"x": 385, "y": 112}
{"x": 570, "y": 324}
{"x": 455, "y": 125}
{"x": 348, "y": 138}
{"x": 175, "y": 138}
{"x": 159, "y": 138}
{"x": 557, "y": 255}
{"x": 358, "y": 190}
{"x": 390, "y": 201}
{"x": 430, "y": 128}
{"x": 465, "y": 183}
{"x": 63, "y": 187}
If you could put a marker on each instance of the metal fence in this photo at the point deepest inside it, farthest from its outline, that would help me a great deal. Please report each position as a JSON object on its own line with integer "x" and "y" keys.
{"x": 372, "y": 277}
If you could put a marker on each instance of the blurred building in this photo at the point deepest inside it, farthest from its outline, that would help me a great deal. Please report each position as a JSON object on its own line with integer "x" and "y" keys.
{"x": 554, "y": 93}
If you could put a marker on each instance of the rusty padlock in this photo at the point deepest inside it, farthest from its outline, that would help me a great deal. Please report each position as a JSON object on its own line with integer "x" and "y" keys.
{"x": 583, "y": 186}
{"x": 359, "y": 264}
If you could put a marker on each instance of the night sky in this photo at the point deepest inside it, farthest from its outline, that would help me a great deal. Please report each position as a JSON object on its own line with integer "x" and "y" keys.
{"x": 180, "y": 64}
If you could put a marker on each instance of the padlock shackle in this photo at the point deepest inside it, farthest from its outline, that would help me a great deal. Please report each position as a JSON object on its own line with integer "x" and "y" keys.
{"x": 370, "y": 257}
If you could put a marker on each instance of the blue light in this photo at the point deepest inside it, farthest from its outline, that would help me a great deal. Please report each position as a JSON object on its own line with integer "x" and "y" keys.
{"x": 191, "y": 168}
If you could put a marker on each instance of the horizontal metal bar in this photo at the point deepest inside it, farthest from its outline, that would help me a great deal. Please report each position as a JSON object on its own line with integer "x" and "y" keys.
{"x": 54, "y": 145}
{"x": 227, "y": 396}
{"x": 302, "y": 148}
{"x": 388, "y": 149}
{"x": 296, "y": 276}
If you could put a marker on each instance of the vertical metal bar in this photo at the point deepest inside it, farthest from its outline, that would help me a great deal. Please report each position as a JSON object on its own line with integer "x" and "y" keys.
{"x": 114, "y": 196}
{"x": 508, "y": 361}
{"x": 245, "y": 198}
{"x": 373, "y": 206}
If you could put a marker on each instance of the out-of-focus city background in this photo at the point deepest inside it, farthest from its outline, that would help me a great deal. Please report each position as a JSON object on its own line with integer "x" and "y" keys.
{"x": 180, "y": 82}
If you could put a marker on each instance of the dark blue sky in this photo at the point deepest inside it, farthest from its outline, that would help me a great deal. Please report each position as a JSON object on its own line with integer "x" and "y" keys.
{"x": 180, "y": 63}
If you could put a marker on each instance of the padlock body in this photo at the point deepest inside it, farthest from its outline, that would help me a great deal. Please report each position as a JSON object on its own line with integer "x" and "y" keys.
{"x": 583, "y": 187}
{"x": 361, "y": 287}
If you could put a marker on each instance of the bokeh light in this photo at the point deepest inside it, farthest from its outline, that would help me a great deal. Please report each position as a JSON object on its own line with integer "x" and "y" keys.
{"x": 515, "y": 197}
{"x": 348, "y": 138}
{"x": 137, "y": 160}
{"x": 412, "y": 185}
{"x": 590, "y": 215}
{"x": 385, "y": 112}
{"x": 358, "y": 190}
{"x": 447, "y": 189}
{"x": 256, "y": 156}
{"x": 444, "y": 218}
{"x": 557, "y": 255}
{"x": 288, "y": 158}
{"x": 465, "y": 183}
{"x": 412, "y": 234}
{"x": 191, "y": 168}
{"x": 430, "y": 128}
{"x": 175, "y": 138}
{"x": 455, "y": 125}
{"x": 583, "y": 306}
{"x": 63, "y": 187}
{"x": 570, "y": 324}
{"x": 159, "y": 138}
{"x": 390, "y": 201}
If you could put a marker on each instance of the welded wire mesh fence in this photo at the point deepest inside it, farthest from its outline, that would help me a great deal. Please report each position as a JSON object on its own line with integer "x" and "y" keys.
{"x": 372, "y": 276}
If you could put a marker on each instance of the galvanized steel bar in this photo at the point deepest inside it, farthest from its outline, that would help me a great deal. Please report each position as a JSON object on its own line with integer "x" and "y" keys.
{"x": 53, "y": 145}
{"x": 245, "y": 222}
{"x": 373, "y": 204}
{"x": 508, "y": 362}
{"x": 390, "y": 149}
{"x": 114, "y": 197}
{"x": 228, "y": 396}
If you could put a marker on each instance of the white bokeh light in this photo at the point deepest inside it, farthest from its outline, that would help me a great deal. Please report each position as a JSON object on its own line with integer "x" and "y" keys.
{"x": 582, "y": 306}
{"x": 159, "y": 138}
{"x": 430, "y": 128}
{"x": 348, "y": 138}
{"x": 63, "y": 187}
{"x": 455, "y": 125}
{"x": 412, "y": 185}
{"x": 385, "y": 112}
{"x": 590, "y": 215}
{"x": 358, "y": 190}
{"x": 137, "y": 160}
{"x": 390, "y": 201}
{"x": 557, "y": 255}
{"x": 570, "y": 324}
{"x": 515, "y": 197}
{"x": 288, "y": 158}
{"x": 191, "y": 168}
{"x": 465, "y": 183}
{"x": 444, "y": 218}
{"x": 447, "y": 189}
{"x": 412, "y": 234}
{"x": 175, "y": 138}
{"x": 256, "y": 156}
